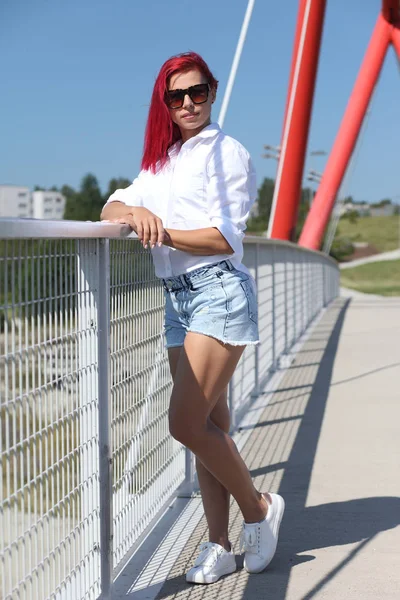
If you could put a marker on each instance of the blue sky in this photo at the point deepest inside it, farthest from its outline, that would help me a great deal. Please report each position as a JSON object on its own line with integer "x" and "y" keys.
{"x": 77, "y": 77}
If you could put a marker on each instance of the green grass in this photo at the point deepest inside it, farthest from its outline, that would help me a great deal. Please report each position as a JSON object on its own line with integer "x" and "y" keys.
{"x": 382, "y": 232}
{"x": 381, "y": 278}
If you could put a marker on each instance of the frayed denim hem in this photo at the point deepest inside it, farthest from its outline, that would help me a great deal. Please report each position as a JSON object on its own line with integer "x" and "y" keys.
{"x": 226, "y": 342}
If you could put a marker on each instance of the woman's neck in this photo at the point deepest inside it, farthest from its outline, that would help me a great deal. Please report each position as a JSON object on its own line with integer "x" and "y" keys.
{"x": 188, "y": 134}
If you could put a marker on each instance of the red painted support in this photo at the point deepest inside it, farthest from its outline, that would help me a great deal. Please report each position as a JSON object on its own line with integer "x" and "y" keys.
{"x": 391, "y": 8}
{"x": 396, "y": 40}
{"x": 294, "y": 141}
{"x": 299, "y": 26}
{"x": 342, "y": 150}
{"x": 391, "y": 11}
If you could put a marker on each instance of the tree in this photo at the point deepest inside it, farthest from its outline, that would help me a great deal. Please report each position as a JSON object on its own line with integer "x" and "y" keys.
{"x": 265, "y": 197}
{"x": 86, "y": 204}
{"x": 116, "y": 184}
{"x": 304, "y": 206}
{"x": 264, "y": 202}
{"x": 341, "y": 248}
{"x": 71, "y": 212}
{"x": 351, "y": 216}
{"x": 90, "y": 198}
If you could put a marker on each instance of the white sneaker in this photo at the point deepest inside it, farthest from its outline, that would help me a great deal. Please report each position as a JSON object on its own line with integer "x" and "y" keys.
{"x": 259, "y": 540}
{"x": 212, "y": 562}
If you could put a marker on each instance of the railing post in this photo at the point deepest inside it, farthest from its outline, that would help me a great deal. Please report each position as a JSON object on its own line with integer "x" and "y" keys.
{"x": 309, "y": 290}
{"x": 273, "y": 312}
{"x": 105, "y": 451}
{"x": 87, "y": 315}
{"x": 257, "y": 349}
{"x": 286, "y": 254}
{"x": 188, "y": 486}
{"x": 302, "y": 294}
{"x": 294, "y": 299}
{"x": 232, "y": 404}
{"x": 325, "y": 284}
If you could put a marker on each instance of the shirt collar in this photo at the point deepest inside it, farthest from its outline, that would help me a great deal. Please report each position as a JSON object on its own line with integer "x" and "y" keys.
{"x": 174, "y": 149}
{"x": 208, "y": 132}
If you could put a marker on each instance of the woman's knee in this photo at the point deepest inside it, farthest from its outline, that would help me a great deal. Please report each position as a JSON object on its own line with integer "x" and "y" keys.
{"x": 187, "y": 428}
{"x": 220, "y": 414}
{"x": 222, "y": 420}
{"x": 192, "y": 432}
{"x": 184, "y": 428}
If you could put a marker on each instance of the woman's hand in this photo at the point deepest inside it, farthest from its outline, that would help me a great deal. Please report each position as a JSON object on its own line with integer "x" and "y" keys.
{"x": 147, "y": 225}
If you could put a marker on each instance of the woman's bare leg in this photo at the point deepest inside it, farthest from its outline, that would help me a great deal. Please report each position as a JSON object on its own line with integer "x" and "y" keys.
{"x": 204, "y": 369}
{"x": 215, "y": 497}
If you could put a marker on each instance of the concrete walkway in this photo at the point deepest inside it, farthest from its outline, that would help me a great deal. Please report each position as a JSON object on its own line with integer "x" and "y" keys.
{"x": 383, "y": 256}
{"x": 328, "y": 440}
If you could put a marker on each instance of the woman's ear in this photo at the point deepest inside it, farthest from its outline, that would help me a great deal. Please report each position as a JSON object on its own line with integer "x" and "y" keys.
{"x": 213, "y": 95}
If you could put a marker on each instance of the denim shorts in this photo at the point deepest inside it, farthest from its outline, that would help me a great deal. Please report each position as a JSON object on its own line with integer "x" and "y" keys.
{"x": 216, "y": 300}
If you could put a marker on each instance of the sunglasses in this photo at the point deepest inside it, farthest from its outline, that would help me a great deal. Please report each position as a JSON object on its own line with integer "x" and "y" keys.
{"x": 197, "y": 93}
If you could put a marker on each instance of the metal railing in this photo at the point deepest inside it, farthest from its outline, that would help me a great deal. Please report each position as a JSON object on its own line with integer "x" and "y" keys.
{"x": 86, "y": 458}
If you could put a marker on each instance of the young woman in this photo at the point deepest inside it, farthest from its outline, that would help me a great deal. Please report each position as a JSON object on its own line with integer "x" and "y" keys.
{"x": 190, "y": 203}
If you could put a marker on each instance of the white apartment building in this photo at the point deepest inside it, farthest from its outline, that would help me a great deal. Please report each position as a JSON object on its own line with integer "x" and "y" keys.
{"x": 48, "y": 205}
{"x": 15, "y": 201}
{"x": 19, "y": 202}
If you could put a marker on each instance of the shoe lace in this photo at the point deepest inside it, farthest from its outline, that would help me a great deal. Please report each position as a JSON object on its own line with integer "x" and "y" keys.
{"x": 248, "y": 540}
{"x": 208, "y": 554}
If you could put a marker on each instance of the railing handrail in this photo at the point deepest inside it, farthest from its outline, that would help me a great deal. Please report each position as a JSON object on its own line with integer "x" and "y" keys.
{"x": 12, "y": 228}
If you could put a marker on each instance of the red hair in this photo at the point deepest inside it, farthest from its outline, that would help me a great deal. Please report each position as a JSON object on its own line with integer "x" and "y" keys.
{"x": 161, "y": 132}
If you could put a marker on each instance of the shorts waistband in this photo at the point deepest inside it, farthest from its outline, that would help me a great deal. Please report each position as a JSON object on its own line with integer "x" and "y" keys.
{"x": 182, "y": 281}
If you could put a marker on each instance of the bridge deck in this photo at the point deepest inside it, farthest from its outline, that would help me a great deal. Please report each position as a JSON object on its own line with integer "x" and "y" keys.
{"x": 327, "y": 439}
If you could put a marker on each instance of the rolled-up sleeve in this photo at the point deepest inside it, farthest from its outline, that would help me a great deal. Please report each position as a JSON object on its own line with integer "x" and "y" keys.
{"x": 132, "y": 195}
{"x": 231, "y": 192}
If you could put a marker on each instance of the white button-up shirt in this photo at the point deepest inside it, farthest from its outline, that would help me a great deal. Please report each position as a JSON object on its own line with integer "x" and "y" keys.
{"x": 209, "y": 181}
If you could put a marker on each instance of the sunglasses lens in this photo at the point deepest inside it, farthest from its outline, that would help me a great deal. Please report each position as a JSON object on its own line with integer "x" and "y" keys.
{"x": 174, "y": 99}
{"x": 199, "y": 93}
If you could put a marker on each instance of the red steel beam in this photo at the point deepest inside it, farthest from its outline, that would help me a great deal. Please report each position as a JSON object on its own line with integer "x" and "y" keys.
{"x": 297, "y": 36}
{"x": 391, "y": 11}
{"x": 296, "y": 127}
{"x": 396, "y": 40}
{"x": 318, "y": 217}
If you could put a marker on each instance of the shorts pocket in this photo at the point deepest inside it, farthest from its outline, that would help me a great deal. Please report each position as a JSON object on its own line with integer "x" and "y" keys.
{"x": 208, "y": 280}
{"x": 251, "y": 300}
{"x": 241, "y": 274}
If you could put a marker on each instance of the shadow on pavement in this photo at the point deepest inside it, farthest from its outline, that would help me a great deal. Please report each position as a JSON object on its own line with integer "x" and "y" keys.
{"x": 304, "y": 529}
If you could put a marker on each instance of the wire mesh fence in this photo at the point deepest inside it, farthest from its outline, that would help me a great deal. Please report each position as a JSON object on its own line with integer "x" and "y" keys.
{"x": 87, "y": 461}
{"x": 49, "y": 512}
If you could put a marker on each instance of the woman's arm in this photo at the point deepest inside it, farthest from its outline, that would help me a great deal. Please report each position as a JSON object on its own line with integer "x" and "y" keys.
{"x": 201, "y": 242}
{"x": 115, "y": 210}
{"x": 147, "y": 225}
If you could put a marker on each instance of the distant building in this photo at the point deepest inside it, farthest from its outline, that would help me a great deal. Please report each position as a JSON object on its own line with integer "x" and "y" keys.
{"x": 48, "y": 205}
{"x": 19, "y": 202}
{"x": 387, "y": 210}
{"x": 363, "y": 209}
{"x": 367, "y": 210}
{"x": 15, "y": 201}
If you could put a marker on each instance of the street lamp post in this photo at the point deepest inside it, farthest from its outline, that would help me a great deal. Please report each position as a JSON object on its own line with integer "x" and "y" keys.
{"x": 313, "y": 176}
{"x": 274, "y": 152}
